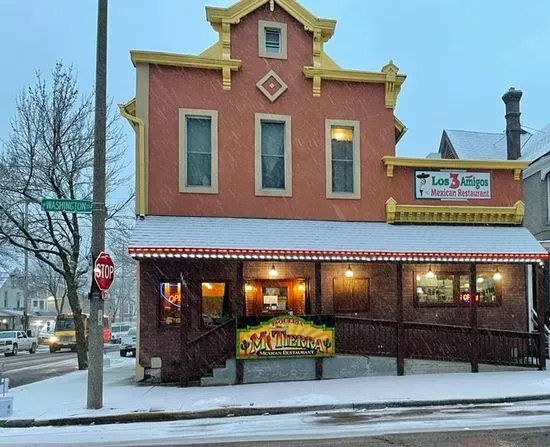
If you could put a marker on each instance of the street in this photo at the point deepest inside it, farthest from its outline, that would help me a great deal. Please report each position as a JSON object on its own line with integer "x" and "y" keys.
{"x": 27, "y": 368}
{"x": 534, "y": 437}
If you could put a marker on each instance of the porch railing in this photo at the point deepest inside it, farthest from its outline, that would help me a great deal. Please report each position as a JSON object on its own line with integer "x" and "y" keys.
{"x": 362, "y": 336}
{"x": 208, "y": 350}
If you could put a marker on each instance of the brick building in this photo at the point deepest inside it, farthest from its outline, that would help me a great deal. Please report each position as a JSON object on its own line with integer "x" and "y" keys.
{"x": 267, "y": 185}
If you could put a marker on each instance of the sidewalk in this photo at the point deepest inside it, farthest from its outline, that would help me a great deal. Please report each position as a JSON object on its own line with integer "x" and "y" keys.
{"x": 62, "y": 400}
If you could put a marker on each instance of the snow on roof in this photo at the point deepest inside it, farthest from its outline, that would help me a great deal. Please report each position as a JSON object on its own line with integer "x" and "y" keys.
{"x": 492, "y": 146}
{"x": 329, "y": 236}
{"x": 481, "y": 145}
{"x": 537, "y": 146}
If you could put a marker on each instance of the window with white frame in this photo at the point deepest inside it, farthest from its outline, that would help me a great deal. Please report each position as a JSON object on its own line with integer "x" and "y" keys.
{"x": 343, "y": 170}
{"x": 272, "y": 39}
{"x": 273, "y": 155}
{"x": 198, "y": 150}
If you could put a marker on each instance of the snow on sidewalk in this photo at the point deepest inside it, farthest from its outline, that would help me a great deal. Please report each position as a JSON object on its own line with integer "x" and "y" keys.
{"x": 65, "y": 396}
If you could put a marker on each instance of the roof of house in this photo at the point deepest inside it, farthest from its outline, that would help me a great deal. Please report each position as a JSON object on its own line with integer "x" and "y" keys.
{"x": 489, "y": 145}
{"x": 245, "y": 235}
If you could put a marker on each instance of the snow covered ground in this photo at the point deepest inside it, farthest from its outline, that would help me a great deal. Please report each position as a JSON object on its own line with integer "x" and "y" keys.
{"x": 323, "y": 425}
{"x": 65, "y": 396}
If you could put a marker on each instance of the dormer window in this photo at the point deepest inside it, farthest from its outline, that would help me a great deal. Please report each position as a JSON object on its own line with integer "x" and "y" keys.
{"x": 272, "y": 39}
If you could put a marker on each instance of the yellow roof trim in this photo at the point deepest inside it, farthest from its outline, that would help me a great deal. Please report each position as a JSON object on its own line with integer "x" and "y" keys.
{"x": 183, "y": 60}
{"x": 439, "y": 163}
{"x": 129, "y": 107}
{"x": 236, "y": 12}
{"x": 455, "y": 214}
{"x": 332, "y": 74}
{"x": 400, "y": 129}
{"x": 214, "y": 51}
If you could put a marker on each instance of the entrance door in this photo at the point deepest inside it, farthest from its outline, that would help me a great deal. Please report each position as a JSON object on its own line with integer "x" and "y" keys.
{"x": 275, "y": 297}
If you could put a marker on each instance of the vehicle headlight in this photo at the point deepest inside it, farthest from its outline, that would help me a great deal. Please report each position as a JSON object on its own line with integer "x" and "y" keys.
{"x": 53, "y": 339}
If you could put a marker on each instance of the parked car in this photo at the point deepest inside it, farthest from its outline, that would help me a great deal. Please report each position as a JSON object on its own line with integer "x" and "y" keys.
{"x": 11, "y": 342}
{"x": 128, "y": 344}
{"x": 118, "y": 330}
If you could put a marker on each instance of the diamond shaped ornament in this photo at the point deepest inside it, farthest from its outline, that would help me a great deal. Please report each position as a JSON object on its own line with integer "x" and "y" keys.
{"x": 272, "y": 86}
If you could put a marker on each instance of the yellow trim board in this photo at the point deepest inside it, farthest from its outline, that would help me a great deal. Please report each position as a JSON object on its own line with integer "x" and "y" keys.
{"x": 128, "y": 111}
{"x": 388, "y": 76}
{"x": 400, "y": 129}
{"x": 236, "y": 12}
{"x": 442, "y": 163}
{"x": 455, "y": 214}
{"x": 189, "y": 61}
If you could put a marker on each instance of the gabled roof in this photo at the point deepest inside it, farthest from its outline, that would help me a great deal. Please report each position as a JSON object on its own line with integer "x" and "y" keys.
{"x": 233, "y": 14}
{"x": 479, "y": 145}
{"x": 537, "y": 146}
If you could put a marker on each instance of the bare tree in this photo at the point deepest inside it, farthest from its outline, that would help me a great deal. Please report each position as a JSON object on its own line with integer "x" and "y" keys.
{"x": 122, "y": 294}
{"x": 43, "y": 280}
{"x": 49, "y": 154}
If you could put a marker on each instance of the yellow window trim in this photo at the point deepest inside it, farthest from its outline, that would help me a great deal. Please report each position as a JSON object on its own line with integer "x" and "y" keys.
{"x": 440, "y": 163}
{"x": 455, "y": 214}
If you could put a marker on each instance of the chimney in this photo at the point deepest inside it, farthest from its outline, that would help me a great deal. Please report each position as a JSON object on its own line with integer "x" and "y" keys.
{"x": 513, "y": 126}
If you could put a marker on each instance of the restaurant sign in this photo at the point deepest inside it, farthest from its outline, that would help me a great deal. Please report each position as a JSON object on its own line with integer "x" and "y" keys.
{"x": 449, "y": 185}
{"x": 285, "y": 336}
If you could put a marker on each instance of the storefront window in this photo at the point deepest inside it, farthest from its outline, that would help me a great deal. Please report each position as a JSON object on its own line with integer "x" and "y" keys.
{"x": 453, "y": 289}
{"x": 274, "y": 299}
{"x": 213, "y": 297}
{"x": 488, "y": 290}
{"x": 435, "y": 290}
{"x": 350, "y": 295}
{"x": 170, "y": 303}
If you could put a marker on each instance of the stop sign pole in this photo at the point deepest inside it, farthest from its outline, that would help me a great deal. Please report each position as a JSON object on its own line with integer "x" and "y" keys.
{"x": 95, "y": 323}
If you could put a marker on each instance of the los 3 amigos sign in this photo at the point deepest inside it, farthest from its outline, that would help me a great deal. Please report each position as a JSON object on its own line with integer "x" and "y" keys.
{"x": 448, "y": 185}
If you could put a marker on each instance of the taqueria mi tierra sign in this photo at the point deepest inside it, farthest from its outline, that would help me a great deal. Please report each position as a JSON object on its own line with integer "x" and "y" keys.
{"x": 452, "y": 185}
{"x": 285, "y": 336}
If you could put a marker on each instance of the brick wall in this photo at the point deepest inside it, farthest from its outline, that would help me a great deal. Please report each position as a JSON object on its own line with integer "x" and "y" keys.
{"x": 165, "y": 342}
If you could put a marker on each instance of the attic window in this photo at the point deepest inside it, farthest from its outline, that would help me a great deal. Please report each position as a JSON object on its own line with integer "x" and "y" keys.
{"x": 272, "y": 39}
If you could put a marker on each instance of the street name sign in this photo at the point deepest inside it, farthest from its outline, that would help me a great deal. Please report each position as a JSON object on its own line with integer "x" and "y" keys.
{"x": 67, "y": 205}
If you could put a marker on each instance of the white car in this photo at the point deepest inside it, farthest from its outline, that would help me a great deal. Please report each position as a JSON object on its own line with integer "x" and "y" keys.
{"x": 11, "y": 342}
{"x": 118, "y": 330}
{"x": 128, "y": 344}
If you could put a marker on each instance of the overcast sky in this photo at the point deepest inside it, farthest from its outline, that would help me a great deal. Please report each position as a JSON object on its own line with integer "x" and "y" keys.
{"x": 459, "y": 55}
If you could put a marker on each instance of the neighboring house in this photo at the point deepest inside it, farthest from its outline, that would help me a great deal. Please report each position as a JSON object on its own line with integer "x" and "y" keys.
{"x": 12, "y": 292}
{"x": 268, "y": 187}
{"x": 533, "y": 147}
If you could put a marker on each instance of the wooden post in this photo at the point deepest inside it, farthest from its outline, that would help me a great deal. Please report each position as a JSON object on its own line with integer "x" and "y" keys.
{"x": 474, "y": 359}
{"x": 317, "y": 308}
{"x": 539, "y": 296}
{"x": 240, "y": 309}
{"x": 401, "y": 340}
{"x": 185, "y": 317}
{"x": 318, "y": 368}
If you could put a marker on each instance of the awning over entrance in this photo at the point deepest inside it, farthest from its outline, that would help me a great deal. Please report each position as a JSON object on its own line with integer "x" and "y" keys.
{"x": 242, "y": 238}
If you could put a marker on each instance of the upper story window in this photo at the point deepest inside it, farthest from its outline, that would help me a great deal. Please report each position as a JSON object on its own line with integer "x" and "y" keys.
{"x": 273, "y": 155}
{"x": 198, "y": 146}
{"x": 343, "y": 171}
{"x": 272, "y": 39}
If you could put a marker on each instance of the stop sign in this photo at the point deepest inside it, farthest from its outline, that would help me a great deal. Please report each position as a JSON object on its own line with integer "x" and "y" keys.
{"x": 104, "y": 271}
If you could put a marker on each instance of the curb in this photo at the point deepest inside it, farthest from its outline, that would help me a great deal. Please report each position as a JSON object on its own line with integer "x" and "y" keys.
{"x": 129, "y": 418}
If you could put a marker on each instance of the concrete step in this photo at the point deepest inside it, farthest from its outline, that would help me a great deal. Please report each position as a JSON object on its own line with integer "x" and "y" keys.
{"x": 226, "y": 375}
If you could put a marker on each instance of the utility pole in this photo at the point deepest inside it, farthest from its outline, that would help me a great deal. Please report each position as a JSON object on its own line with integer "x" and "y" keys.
{"x": 26, "y": 271}
{"x": 95, "y": 340}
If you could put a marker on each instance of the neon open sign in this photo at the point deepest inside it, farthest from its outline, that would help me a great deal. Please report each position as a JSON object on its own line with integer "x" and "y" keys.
{"x": 171, "y": 292}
